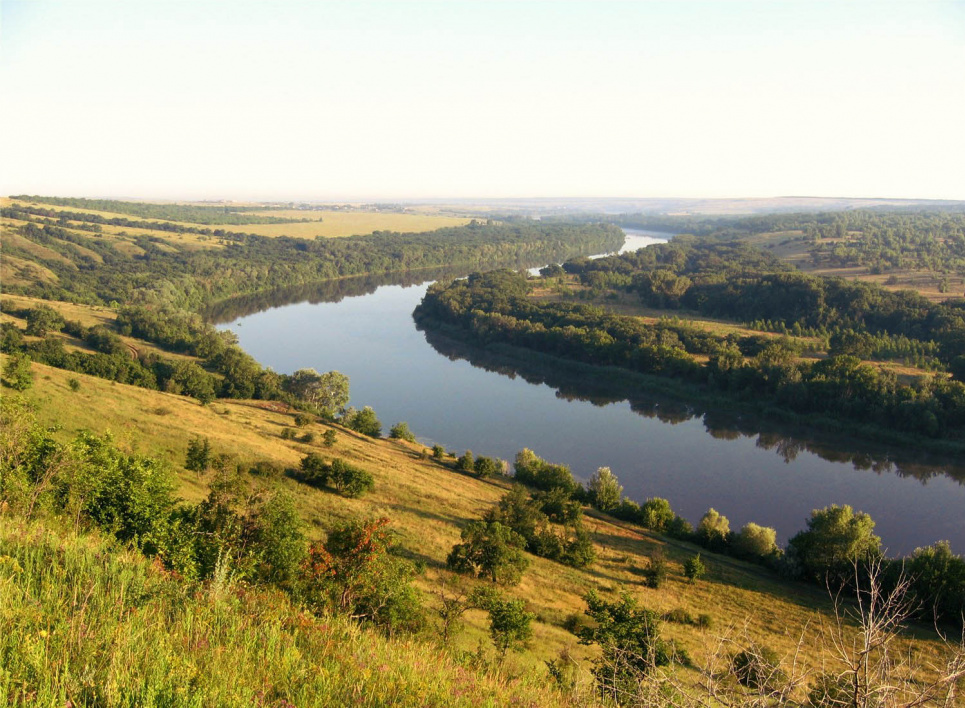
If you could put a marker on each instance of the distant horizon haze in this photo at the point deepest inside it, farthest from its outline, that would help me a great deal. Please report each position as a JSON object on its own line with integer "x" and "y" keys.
{"x": 348, "y": 101}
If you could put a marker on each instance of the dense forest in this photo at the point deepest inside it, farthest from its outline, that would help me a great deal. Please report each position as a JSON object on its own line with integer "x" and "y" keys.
{"x": 89, "y": 269}
{"x": 882, "y": 241}
{"x": 739, "y": 283}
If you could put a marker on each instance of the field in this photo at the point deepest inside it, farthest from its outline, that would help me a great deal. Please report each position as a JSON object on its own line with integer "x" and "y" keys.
{"x": 325, "y": 224}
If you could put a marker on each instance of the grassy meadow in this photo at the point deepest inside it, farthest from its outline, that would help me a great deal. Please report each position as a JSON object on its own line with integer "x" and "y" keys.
{"x": 429, "y": 503}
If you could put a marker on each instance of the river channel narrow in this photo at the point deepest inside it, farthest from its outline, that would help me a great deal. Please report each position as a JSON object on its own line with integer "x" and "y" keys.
{"x": 695, "y": 458}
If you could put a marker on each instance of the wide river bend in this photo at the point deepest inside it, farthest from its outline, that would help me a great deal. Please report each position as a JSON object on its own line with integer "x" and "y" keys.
{"x": 697, "y": 458}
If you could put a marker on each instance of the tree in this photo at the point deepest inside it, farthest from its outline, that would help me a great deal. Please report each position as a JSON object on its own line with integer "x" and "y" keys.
{"x": 366, "y": 422}
{"x": 656, "y": 514}
{"x": 510, "y": 625}
{"x": 605, "y": 491}
{"x": 694, "y": 568}
{"x": 487, "y": 466}
{"x": 630, "y": 645}
{"x": 17, "y": 373}
{"x": 465, "y": 463}
{"x": 835, "y": 539}
{"x": 491, "y": 549}
{"x": 198, "y": 458}
{"x": 755, "y": 542}
{"x": 43, "y": 319}
{"x": 400, "y": 431}
{"x": 329, "y": 437}
{"x": 713, "y": 528}
{"x": 327, "y": 393}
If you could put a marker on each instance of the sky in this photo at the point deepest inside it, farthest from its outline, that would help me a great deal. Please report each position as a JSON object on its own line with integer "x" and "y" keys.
{"x": 401, "y": 100}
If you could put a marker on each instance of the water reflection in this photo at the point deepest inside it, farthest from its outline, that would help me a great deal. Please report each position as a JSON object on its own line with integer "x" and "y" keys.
{"x": 573, "y": 382}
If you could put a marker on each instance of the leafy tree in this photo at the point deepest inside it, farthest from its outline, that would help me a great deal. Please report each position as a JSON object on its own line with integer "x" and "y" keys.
{"x": 198, "y": 458}
{"x": 329, "y": 437}
{"x": 630, "y": 645}
{"x": 17, "y": 373}
{"x": 713, "y": 528}
{"x": 694, "y": 568}
{"x": 836, "y": 538}
{"x": 605, "y": 491}
{"x": 487, "y": 466}
{"x": 327, "y": 393}
{"x": 42, "y": 319}
{"x": 755, "y": 542}
{"x": 656, "y": 514}
{"x": 510, "y": 625}
{"x": 189, "y": 379}
{"x": 366, "y": 422}
{"x": 490, "y": 549}
{"x": 438, "y": 452}
{"x": 400, "y": 431}
{"x": 466, "y": 463}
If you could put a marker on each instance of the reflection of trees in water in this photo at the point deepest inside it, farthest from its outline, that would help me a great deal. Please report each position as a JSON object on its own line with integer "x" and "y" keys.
{"x": 600, "y": 387}
{"x": 323, "y": 291}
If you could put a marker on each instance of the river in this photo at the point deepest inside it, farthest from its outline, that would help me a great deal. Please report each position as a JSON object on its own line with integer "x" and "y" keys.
{"x": 749, "y": 470}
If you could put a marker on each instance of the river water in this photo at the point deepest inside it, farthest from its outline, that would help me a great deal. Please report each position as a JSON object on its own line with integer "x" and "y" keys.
{"x": 461, "y": 398}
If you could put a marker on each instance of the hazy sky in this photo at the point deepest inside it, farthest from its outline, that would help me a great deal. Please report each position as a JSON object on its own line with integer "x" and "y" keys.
{"x": 315, "y": 100}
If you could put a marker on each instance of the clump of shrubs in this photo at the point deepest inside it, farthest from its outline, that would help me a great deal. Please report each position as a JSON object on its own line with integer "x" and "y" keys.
{"x": 346, "y": 479}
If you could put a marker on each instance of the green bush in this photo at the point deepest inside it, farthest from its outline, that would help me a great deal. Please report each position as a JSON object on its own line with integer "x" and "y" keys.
{"x": 400, "y": 431}
{"x": 350, "y": 481}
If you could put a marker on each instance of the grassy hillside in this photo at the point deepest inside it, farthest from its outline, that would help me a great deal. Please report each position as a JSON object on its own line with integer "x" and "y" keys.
{"x": 429, "y": 503}
{"x": 86, "y": 623}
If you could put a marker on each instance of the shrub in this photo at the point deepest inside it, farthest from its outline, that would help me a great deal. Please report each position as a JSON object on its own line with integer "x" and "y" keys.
{"x": 400, "y": 431}
{"x": 366, "y": 422}
{"x": 354, "y": 572}
{"x": 307, "y": 437}
{"x": 73, "y": 384}
{"x": 198, "y": 457}
{"x": 329, "y": 437}
{"x": 704, "y": 621}
{"x": 759, "y": 667}
{"x": 679, "y": 616}
{"x": 755, "y": 542}
{"x": 303, "y": 419}
{"x": 17, "y": 373}
{"x": 288, "y": 434}
{"x": 656, "y": 572}
{"x": 694, "y": 568}
{"x": 630, "y": 644}
{"x": 350, "y": 481}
